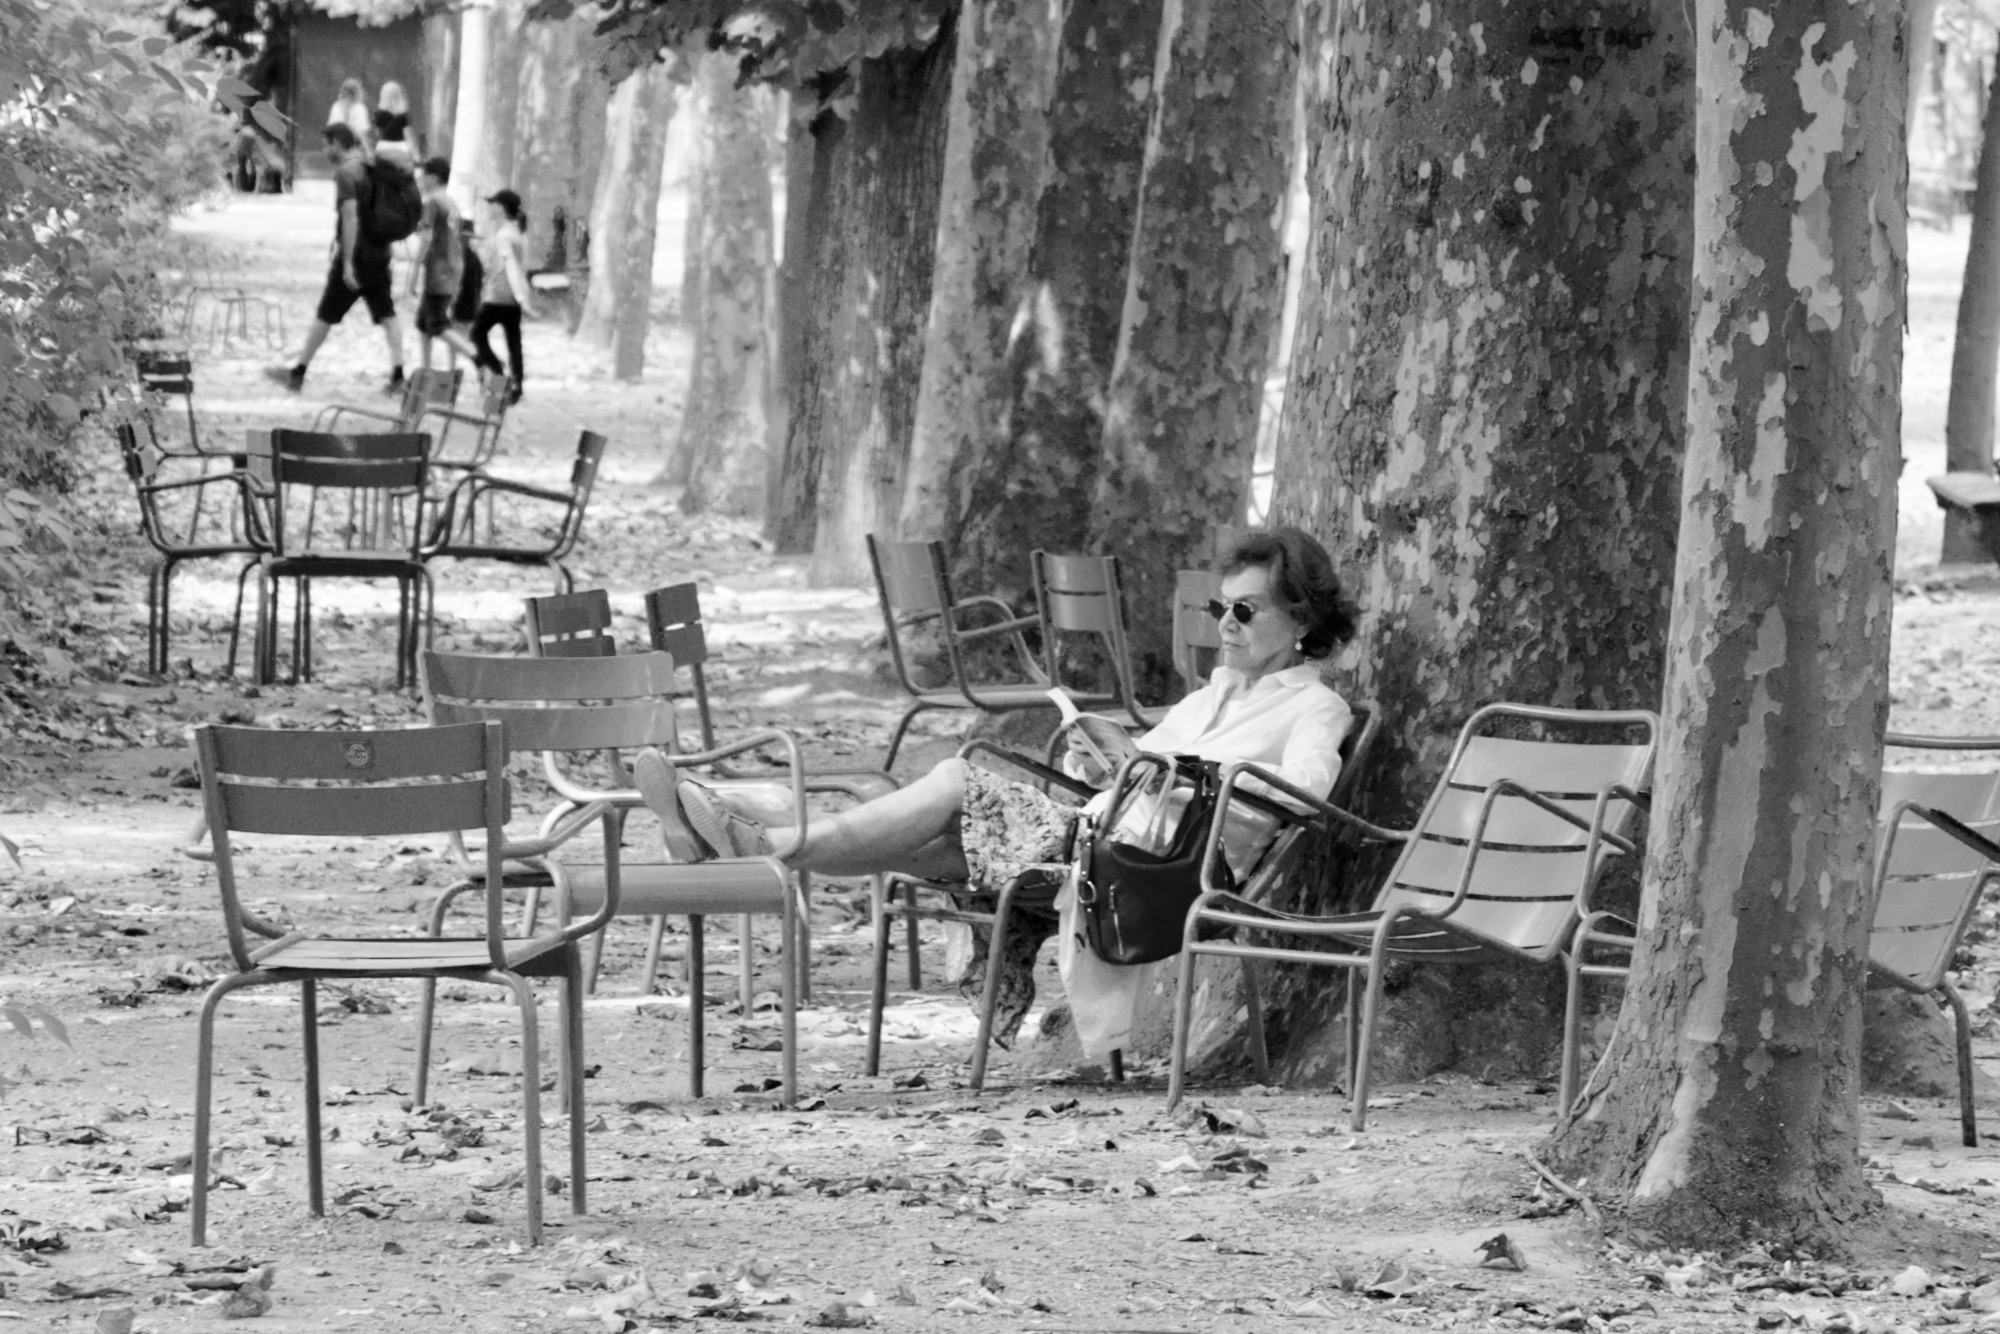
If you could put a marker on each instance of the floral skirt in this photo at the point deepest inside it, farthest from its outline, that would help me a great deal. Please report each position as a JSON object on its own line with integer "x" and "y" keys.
{"x": 1007, "y": 828}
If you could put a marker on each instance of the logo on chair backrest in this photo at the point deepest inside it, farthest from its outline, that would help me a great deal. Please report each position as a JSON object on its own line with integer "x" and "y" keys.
{"x": 358, "y": 754}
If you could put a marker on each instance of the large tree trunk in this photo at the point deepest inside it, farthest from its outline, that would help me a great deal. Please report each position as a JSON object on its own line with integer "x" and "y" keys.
{"x": 873, "y": 223}
{"x": 493, "y": 165}
{"x": 792, "y": 299}
{"x": 1205, "y": 285}
{"x": 624, "y": 217}
{"x": 1484, "y": 419}
{"x": 1975, "y": 351}
{"x": 996, "y": 155}
{"x": 1033, "y": 486}
{"x": 726, "y": 426}
{"x": 441, "y": 81}
{"x": 1728, "y": 1106}
{"x": 562, "y": 91}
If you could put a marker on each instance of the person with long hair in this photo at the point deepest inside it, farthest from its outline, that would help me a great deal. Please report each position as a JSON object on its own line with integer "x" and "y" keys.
{"x": 1281, "y": 612}
{"x": 350, "y": 109}
{"x": 392, "y": 124}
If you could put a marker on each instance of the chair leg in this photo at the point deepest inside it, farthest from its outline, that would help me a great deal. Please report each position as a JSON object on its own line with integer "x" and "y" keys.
{"x": 656, "y": 938}
{"x": 309, "y": 1040}
{"x": 746, "y": 964}
{"x": 596, "y": 958}
{"x": 236, "y": 622}
{"x": 1572, "y": 1034}
{"x": 1253, "y": 1007}
{"x": 1353, "y": 1025}
{"x": 910, "y": 943}
{"x": 803, "y": 946}
{"x": 1968, "y": 1120}
{"x": 572, "y": 1069}
{"x": 989, "y": 1001}
{"x": 1117, "y": 1065}
{"x": 426, "y": 1014}
{"x": 788, "y": 998}
{"x": 1183, "y": 1020}
{"x": 204, "y": 1101}
{"x": 1371, "y": 1001}
{"x": 697, "y": 999}
{"x": 531, "y": 1100}
{"x": 878, "y": 983}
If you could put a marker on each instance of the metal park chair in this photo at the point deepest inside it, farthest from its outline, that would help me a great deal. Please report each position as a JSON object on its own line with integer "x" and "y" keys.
{"x": 1501, "y": 864}
{"x": 454, "y": 534}
{"x": 564, "y": 707}
{"x": 1938, "y": 848}
{"x": 343, "y": 785}
{"x": 175, "y": 545}
{"x": 368, "y": 471}
{"x": 914, "y": 585}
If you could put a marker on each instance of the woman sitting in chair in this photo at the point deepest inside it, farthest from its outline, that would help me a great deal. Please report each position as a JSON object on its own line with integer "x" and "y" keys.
{"x": 1281, "y": 610}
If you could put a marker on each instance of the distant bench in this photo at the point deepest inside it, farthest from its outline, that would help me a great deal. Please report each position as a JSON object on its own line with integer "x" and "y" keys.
{"x": 1975, "y": 494}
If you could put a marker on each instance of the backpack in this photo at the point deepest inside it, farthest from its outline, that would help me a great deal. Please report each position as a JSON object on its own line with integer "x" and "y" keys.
{"x": 465, "y": 308}
{"x": 395, "y": 205}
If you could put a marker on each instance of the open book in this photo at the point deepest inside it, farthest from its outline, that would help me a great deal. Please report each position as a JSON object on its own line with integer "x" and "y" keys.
{"x": 1085, "y": 724}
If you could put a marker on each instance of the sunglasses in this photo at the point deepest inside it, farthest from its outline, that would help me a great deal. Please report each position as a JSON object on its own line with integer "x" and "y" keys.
{"x": 1244, "y": 612}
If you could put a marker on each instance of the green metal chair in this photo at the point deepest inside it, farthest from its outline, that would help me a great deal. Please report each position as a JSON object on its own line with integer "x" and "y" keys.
{"x": 388, "y": 785}
{"x": 1500, "y": 865}
{"x": 1938, "y": 848}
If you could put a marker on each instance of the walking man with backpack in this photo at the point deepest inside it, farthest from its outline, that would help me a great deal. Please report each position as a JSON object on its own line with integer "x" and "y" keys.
{"x": 377, "y": 204}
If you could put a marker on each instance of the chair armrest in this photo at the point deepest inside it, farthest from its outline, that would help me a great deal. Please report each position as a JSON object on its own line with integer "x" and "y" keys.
{"x": 566, "y": 827}
{"x": 1040, "y": 770}
{"x": 453, "y": 414}
{"x": 1231, "y": 792}
{"x": 327, "y": 416}
{"x": 1950, "y": 824}
{"x": 489, "y": 484}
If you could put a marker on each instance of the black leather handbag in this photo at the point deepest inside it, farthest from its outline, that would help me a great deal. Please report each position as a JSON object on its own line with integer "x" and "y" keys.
{"x": 1134, "y": 894}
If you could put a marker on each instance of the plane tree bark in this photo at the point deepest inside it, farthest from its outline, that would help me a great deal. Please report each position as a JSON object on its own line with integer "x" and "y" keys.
{"x": 1727, "y": 1107}
{"x": 1032, "y": 484}
{"x": 996, "y": 156}
{"x": 873, "y": 220}
{"x": 1203, "y": 291}
{"x": 624, "y": 217}
{"x": 727, "y": 424}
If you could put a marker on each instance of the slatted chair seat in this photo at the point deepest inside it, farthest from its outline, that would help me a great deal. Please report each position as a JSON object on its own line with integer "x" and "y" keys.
{"x": 1500, "y": 865}
{"x": 341, "y": 785}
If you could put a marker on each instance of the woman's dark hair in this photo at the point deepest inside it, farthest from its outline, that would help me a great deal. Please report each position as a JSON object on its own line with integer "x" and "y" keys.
{"x": 1303, "y": 582}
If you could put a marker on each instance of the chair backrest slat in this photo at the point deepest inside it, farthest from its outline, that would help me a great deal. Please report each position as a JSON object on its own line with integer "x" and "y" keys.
{"x": 261, "y": 753}
{"x": 571, "y": 625}
{"x": 1928, "y": 901}
{"x": 1196, "y": 636}
{"x": 1079, "y": 593}
{"x": 673, "y": 620}
{"x": 909, "y": 576}
{"x": 382, "y": 810}
{"x": 569, "y": 725}
{"x": 1923, "y": 850}
{"x": 1969, "y": 796}
{"x": 1514, "y": 820}
{"x": 1550, "y": 766}
{"x": 477, "y": 677}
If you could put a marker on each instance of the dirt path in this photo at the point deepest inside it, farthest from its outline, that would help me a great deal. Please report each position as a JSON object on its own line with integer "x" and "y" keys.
{"x": 1052, "y": 1202}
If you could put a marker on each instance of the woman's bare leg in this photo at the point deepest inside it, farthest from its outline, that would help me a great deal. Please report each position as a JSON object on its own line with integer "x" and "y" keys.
{"x": 913, "y": 829}
{"x": 907, "y": 830}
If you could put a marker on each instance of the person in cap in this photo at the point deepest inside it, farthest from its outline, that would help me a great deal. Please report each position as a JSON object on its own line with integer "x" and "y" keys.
{"x": 506, "y": 296}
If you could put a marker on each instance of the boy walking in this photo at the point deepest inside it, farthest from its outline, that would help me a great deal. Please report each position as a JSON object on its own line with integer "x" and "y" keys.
{"x": 359, "y": 270}
{"x": 440, "y": 266}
